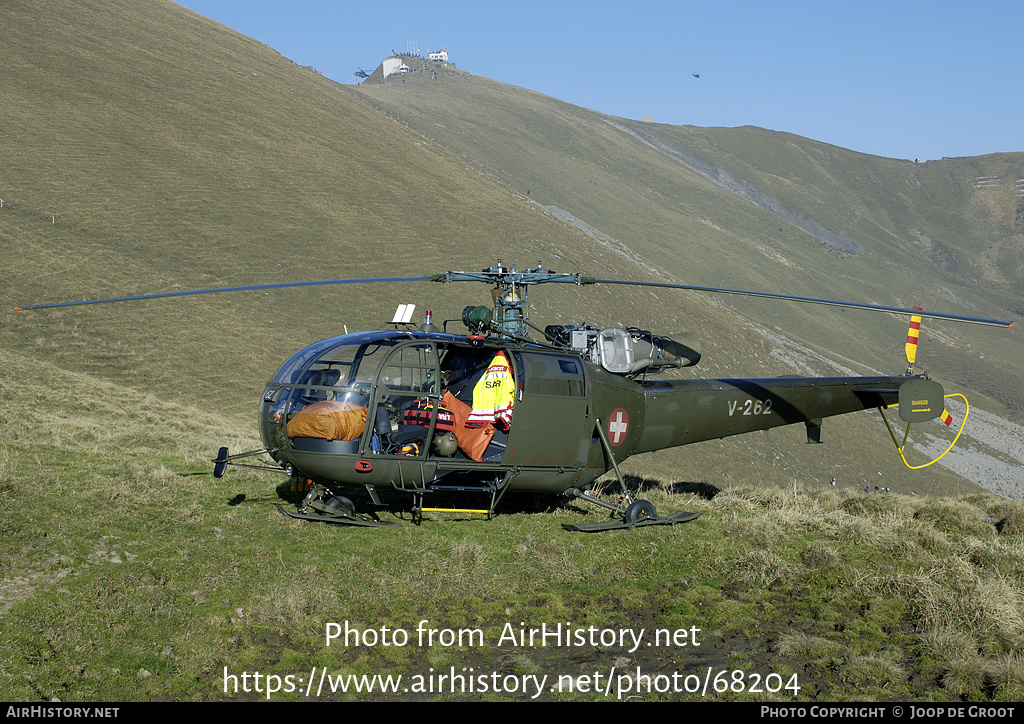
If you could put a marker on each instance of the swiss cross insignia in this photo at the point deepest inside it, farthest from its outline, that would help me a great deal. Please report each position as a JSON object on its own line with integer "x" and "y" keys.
{"x": 618, "y": 426}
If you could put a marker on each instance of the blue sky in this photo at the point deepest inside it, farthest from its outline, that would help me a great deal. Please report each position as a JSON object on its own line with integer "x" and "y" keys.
{"x": 900, "y": 78}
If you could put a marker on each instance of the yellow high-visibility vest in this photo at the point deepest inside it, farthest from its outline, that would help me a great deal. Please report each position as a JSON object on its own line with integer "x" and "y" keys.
{"x": 494, "y": 395}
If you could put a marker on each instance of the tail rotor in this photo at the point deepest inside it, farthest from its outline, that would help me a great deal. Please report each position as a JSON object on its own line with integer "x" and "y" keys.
{"x": 918, "y": 409}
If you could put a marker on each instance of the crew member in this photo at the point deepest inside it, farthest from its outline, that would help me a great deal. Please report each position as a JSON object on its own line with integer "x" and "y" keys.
{"x": 494, "y": 395}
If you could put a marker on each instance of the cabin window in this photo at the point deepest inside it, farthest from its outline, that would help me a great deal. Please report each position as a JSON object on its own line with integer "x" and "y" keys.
{"x": 326, "y": 382}
{"x": 551, "y": 374}
{"x": 412, "y": 369}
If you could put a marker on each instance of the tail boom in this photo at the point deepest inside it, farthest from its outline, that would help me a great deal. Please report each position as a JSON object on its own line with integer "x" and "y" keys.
{"x": 681, "y": 412}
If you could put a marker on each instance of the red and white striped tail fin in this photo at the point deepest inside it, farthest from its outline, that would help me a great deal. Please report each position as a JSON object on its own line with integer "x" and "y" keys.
{"x": 913, "y": 335}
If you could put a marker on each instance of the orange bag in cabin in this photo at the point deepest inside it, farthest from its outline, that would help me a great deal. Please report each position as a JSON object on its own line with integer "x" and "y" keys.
{"x": 473, "y": 441}
{"x": 329, "y": 420}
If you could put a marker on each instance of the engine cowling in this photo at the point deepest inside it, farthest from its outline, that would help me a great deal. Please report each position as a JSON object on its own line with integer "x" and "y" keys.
{"x": 629, "y": 351}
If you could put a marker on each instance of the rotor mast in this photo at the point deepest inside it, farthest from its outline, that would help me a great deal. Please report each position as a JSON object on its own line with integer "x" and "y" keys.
{"x": 511, "y": 288}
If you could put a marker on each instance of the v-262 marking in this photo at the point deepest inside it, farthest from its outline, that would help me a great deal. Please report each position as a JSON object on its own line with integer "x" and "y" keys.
{"x": 750, "y": 406}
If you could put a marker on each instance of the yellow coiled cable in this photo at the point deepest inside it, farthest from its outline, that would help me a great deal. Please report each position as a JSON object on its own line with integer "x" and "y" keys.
{"x": 900, "y": 448}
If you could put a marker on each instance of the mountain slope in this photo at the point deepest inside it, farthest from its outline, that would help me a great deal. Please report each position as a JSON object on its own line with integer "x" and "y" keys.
{"x": 749, "y": 208}
{"x": 148, "y": 149}
{"x": 134, "y": 163}
{"x": 756, "y": 209}
{"x": 831, "y": 222}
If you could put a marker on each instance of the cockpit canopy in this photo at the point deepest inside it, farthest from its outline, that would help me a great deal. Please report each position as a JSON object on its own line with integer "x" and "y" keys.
{"x": 349, "y": 361}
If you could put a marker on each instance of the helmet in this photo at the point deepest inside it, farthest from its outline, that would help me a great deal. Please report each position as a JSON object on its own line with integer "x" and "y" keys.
{"x": 445, "y": 444}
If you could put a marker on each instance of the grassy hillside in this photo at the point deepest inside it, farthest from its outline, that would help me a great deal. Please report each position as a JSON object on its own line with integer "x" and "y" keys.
{"x": 147, "y": 149}
{"x": 133, "y": 164}
{"x": 164, "y": 169}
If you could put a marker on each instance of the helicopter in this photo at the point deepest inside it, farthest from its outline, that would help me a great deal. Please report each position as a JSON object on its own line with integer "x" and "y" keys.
{"x": 491, "y": 410}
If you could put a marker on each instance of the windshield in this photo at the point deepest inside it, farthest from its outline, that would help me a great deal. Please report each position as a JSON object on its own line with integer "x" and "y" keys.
{"x": 348, "y": 361}
{"x": 338, "y": 369}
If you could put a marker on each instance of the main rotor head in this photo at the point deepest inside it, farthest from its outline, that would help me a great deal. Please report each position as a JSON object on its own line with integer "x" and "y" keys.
{"x": 511, "y": 311}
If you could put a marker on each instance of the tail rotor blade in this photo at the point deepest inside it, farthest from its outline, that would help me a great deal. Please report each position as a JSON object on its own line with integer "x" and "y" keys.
{"x": 913, "y": 334}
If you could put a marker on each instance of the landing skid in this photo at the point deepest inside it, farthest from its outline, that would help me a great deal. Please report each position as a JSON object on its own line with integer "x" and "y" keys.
{"x": 337, "y": 518}
{"x": 619, "y": 524}
{"x": 634, "y": 513}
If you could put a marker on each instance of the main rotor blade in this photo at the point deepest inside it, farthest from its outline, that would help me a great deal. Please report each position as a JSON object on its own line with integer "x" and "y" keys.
{"x": 813, "y": 300}
{"x": 251, "y": 287}
{"x": 537, "y": 277}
